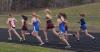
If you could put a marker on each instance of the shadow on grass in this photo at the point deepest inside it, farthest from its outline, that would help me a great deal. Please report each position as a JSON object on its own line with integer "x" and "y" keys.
{"x": 85, "y": 43}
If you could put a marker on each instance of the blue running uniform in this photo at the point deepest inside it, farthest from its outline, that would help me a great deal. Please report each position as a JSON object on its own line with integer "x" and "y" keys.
{"x": 83, "y": 24}
{"x": 62, "y": 27}
{"x": 36, "y": 26}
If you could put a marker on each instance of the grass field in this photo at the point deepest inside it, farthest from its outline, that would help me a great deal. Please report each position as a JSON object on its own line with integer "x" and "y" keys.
{"x": 92, "y": 12}
{"x": 12, "y": 47}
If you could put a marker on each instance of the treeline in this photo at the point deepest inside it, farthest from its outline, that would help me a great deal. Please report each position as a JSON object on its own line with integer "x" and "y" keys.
{"x": 17, "y": 5}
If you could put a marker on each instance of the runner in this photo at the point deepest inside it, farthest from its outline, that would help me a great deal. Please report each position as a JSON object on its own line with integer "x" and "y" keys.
{"x": 49, "y": 24}
{"x": 62, "y": 33}
{"x": 83, "y": 28}
{"x": 36, "y": 25}
{"x": 24, "y": 27}
{"x": 11, "y": 27}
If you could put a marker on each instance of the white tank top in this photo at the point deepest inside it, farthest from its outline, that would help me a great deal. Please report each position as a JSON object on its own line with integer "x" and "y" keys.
{"x": 12, "y": 22}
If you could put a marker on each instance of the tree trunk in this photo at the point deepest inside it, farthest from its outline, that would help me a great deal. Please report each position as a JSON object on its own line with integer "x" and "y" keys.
{"x": 5, "y": 5}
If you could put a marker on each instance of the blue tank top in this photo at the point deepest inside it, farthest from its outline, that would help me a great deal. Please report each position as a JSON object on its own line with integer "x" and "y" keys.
{"x": 36, "y": 24}
{"x": 82, "y": 21}
{"x": 62, "y": 27}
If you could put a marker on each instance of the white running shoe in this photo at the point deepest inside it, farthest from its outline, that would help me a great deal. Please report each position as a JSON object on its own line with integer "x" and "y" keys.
{"x": 41, "y": 44}
{"x": 93, "y": 38}
{"x": 9, "y": 38}
{"x": 21, "y": 39}
{"x": 46, "y": 41}
{"x": 70, "y": 34}
{"x": 68, "y": 46}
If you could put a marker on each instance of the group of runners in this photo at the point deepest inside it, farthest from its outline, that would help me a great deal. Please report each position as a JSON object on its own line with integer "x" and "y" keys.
{"x": 62, "y": 23}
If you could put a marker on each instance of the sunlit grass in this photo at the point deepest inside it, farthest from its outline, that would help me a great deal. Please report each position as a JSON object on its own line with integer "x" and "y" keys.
{"x": 92, "y": 12}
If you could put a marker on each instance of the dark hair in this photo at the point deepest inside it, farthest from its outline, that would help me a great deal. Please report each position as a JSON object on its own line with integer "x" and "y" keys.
{"x": 63, "y": 14}
{"x": 9, "y": 14}
{"x": 24, "y": 17}
{"x": 83, "y": 15}
{"x": 58, "y": 16}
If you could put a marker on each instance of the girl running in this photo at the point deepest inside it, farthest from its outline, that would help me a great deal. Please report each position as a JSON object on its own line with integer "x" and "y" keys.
{"x": 24, "y": 28}
{"x": 61, "y": 14}
{"x": 49, "y": 24}
{"x": 36, "y": 25}
{"x": 62, "y": 33}
{"x": 11, "y": 27}
{"x": 83, "y": 28}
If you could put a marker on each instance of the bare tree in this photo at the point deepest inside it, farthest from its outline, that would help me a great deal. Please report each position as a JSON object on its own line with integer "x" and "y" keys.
{"x": 5, "y": 5}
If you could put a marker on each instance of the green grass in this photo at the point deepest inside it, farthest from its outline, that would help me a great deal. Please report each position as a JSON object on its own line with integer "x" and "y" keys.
{"x": 73, "y": 17}
{"x": 72, "y": 13}
{"x": 12, "y": 47}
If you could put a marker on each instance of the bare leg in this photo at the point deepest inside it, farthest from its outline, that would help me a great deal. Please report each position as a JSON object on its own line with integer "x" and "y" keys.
{"x": 78, "y": 35}
{"x": 66, "y": 35}
{"x": 23, "y": 34}
{"x": 87, "y": 34}
{"x": 55, "y": 32}
{"x": 9, "y": 31}
{"x": 62, "y": 37}
{"x": 38, "y": 37}
{"x": 45, "y": 34}
{"x": 64, "y": 40}
{"x": 17, "y": 34}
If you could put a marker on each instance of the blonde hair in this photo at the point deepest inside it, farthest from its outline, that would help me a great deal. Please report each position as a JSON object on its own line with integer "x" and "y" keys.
{"x": 48, "y": 11}
{"x": 34, "y": 14}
